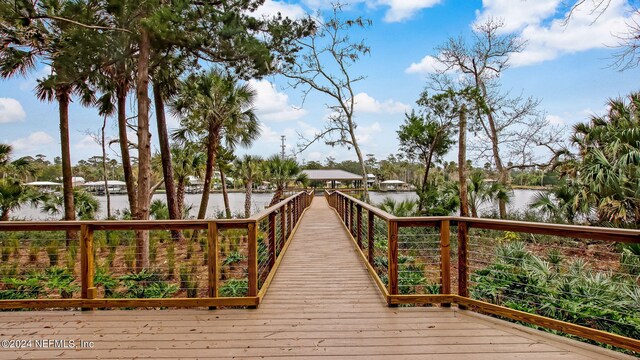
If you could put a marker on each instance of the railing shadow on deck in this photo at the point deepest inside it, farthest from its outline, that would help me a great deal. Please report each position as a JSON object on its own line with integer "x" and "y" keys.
{"x": 222, "y": 262}
{"x": 413, "y": 260}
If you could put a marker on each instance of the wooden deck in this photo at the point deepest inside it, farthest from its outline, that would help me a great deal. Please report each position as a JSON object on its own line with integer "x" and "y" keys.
{"x": 322, "y": 303}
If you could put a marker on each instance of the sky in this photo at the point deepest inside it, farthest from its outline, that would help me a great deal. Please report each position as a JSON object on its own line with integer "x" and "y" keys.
{"x": 567, "y": 66}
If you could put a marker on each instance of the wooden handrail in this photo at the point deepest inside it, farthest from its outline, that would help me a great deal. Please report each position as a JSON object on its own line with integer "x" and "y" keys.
{"x": 343, "y": 203}
{"x": 290, "y": 209}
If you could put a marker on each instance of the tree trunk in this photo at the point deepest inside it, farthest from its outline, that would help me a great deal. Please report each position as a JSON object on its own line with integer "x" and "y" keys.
{"x": 277, "y": 197}
{"x": 462, "y": 162}
{"x": 121, "y": 93}
{"x": 104, "y": 168}
{"x": 5, "y": 215}
{"x": 144, "y": 149}
{"x": 63, "y": 97}
{"x": 363, "y": 167}
{"x": 225, "y": 194}
{"x": 493, "y": 135}
{"x": 165, "y": 155}
{"x": 247, "y": 198}
{"x": 505, "y": 181}
{"x": 180, "y": 197}
{"x": 212, "y": 146}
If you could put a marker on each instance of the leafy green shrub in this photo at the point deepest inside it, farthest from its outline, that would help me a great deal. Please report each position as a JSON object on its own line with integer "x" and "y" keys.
{"x": 153, "y": 249}
{"x": 62, "y": 281}
{"x": 234, "y": 288}
{"x": 102, "y": 278}
{"x": 234, "y": 258}
{"x": 408, "y": 281}
{"x": 630, "y": 259}
{"x": 147, "y": 284}
{"x": 17, "y": 288}
{"x": 576, "y": 293}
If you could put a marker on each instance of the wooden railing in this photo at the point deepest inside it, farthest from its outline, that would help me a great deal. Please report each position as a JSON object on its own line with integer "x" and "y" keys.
{"x": 422, "y": 267}
{"x": 237, "y": 257}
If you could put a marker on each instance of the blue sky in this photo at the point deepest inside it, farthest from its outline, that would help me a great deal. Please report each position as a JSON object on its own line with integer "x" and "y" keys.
{"x": 566, "y": 66}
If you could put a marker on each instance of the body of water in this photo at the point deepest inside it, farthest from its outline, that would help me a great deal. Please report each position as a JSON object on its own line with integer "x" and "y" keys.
{"x": 519, "y": 202}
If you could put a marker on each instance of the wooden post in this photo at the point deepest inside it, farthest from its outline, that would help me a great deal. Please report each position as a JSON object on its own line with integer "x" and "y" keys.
{"x": 212, "y": 263}
{"x": 272, "y": 240}
{"x": 347, "y": 204}
{"x": 252, "y": 263}
{"x": 463, "y": 275}
{"x": 289, "y": 219}
{"x": 393, "y": 257}
{"x": 445, "y": 261}
{"x": 351, "y": 217}
{"x": 371, "y": 235}
{"x": 88, "y": 291}
{"x": 359, "y": 225}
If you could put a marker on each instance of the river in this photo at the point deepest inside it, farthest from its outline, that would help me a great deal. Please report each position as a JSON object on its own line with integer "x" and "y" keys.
{"x": 519, "y": 202}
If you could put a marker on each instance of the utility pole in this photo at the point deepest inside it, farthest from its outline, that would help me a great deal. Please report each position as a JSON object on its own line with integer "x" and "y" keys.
{"x": 283, "y": 146}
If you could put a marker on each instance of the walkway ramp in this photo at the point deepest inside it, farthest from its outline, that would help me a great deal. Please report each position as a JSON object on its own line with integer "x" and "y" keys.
{"x": 322, "y": 303}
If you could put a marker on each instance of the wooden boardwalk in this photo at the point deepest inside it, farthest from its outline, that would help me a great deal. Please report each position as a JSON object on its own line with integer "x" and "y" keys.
{"x": 321, "y": 304}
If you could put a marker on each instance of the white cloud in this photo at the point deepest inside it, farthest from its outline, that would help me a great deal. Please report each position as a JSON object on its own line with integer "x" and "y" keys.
{"x": 272, "y": 105}
{"x": 428, "y": 65}
{"x": 87, "y": 142}
{"x": 541, "y": 25}
{"x": 398, "y": 10}
{"x": 555, "y": 120}
{"x": 315, "y": 156}
{"x": 401, "y": 10}
{"x": 367, "y": 104}
{"x": 11, "y": 110}
{"x": 516, "y": 13}
{"x": 364, "y": 134}
{"x": 271, "y": 8}
{"x": 32, "y": 142}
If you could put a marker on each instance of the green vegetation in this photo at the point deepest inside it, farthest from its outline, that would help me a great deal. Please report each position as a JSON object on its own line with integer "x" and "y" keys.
{"x": 559, "y": 288}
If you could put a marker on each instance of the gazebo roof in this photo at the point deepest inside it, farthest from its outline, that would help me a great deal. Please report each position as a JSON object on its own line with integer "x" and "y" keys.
{"x": 329, "y": 175}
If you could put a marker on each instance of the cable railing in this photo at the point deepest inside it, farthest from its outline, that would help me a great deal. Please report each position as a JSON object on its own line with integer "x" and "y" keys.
{"x": 578, "y": 280}
{"x": 222, "y": 262}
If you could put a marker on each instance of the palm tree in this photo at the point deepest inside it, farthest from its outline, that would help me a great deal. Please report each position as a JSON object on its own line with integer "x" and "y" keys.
{"x": 402, "y": 208}
{"x": 13, "y": 195}
{"x": 281, "y": 172}
{"x": 188, "y": 161}
{"x": 608, "y": 175}
{"x": 215, "y": 109}
{"x": 559, "y": 204}
{"x": 247, "y": 169}
{"x": 86, "y": 205}
{"x": 225, "y": 160}
{"x": 480, "y": 191}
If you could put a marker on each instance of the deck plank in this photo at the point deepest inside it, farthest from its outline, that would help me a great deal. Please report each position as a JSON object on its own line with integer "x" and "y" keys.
{"x": 322, "y": 303}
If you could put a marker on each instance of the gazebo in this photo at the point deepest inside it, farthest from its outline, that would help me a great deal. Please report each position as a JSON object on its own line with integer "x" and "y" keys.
{"x": 392, "y": 184}
{"x": 333, "y": 176}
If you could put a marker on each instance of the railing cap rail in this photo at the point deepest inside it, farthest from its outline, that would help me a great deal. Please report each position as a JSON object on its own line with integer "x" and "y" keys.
{"x": 579, "y": 231}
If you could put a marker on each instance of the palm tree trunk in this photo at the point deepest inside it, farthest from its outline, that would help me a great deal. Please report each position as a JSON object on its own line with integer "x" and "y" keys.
{"x": 462, "y": 162}
{"x": 63, "y": 97}
{"x": 5, "y": 215}
{"x": 180, "y": 197}
{"x": 225, "y": 194}
{"x": 104, "y": 168}
{"x": 277, "y": 197}
{"x": 144, "y": 149}
{"x": 165, "y": 155}
{"x": 212, "y": 146}
{"x": 247, "y": 198}
{"x": 121, "y": 94}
